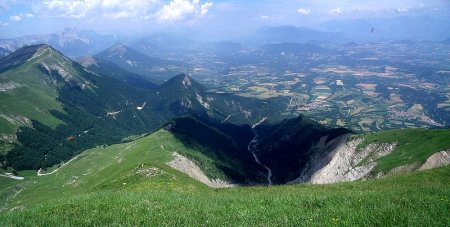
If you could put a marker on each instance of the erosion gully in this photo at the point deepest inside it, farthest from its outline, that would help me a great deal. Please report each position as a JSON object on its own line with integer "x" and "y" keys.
{"x": 253, "y": 148}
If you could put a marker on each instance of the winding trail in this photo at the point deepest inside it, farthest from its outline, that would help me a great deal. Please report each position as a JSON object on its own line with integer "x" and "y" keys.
{"x": 39, "y": 172}
{"x": 10, "y": 175}
{"x": 228, "y": 118}
{"x": 252, "y": 147}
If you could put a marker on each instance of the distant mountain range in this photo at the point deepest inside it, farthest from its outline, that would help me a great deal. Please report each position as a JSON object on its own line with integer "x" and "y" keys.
{"x": 292, "y": 34}
{"x": 153, "y": 68}
{"x": 4, "y": 52}
{"x": 70, "y": 42}
{"x": 174, "y": 47}
{"x": 165, "y": 45}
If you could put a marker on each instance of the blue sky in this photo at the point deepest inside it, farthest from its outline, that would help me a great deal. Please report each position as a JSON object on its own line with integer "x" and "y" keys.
{"x": 22, "y": 17}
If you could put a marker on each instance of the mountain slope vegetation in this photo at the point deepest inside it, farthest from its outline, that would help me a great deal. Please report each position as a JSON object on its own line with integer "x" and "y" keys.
{"x": 134, "y": 180}
{"x": 75, "y": 108}
{"x": 413, "y": 146}
{"x": 221, "y": 149}
{"x": 239, "y": 139}
{"x": 78, "y": 101}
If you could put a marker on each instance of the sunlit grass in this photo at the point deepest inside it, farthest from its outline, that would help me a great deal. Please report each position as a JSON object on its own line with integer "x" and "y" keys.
{"x": 420, "y": 199}
{"x": 102, "y": 187}
{"x": 413, "y": 145}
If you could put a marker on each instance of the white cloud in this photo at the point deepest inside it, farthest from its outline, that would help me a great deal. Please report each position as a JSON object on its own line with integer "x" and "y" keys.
{"x": 402, "y": 10}
{"x": 304, "y": 11}
{"x": 113, "y": 9}
{"x": 180, "y": 9}
{"x": 119, "y": 9}
{"x": 15, "y": 18}
{"x": 337, "y": 10}
{"x": 21, "y": 16}
{"x": 3, "y": 23}
{"x": 265, "y": 17}
{"x": 205, "y": 7}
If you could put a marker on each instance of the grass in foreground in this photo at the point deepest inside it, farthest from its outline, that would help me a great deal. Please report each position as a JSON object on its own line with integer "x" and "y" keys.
{"x": 106, "y": 186}
{"x": 419, "y": 199}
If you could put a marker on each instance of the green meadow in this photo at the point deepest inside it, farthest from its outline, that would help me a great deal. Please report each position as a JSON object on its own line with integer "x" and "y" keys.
{"x": 130, "y": 184}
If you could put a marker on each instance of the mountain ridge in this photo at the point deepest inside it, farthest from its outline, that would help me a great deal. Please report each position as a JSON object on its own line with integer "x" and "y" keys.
{"x": 22, "y": 54}
{"x": 70, "y": 41}
{"x": 93, "y": 107}
{"x": 136, "y": 62}
{"x": 90, "y": 108}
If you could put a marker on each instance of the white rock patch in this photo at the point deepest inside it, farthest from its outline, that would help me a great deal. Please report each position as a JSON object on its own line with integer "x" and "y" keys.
{"x": 344, "y": 162}
{"x": 141, "y": 107}
{"x": 113, "y": 114}
{"x": 202, "y": 101}
{"x": 9, "y": 86}
{"x": 16, "y": 120}
{"x": 438, "y": 159}
{"x": 186, "y": 82}
{"x": 185, "y": 165}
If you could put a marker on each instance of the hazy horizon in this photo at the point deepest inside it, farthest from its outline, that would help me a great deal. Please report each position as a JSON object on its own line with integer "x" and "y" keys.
{"x": 217, "y": 19}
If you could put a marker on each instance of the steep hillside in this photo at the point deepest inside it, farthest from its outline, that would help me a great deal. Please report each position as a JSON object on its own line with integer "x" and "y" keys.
{"x": 75, "y": 108}
{"x": 287, "y": 147}
{"x": 182, "y": 94}
{"x": 237, "y": 139}
{"x": 94, "y": 188}
{"x": 379, "y": 154}
{"x": 413, "y": 147}
{"x": 30, "y": 80}
{"x": 221, "y": 149}
{"x": 54, "y": 108}
{"x": 107, "y": 68}
{"x": 138, "y": 164}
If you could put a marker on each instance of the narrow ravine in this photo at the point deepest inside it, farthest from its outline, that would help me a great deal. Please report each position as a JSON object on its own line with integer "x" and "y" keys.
{"x": 252, "y": 147}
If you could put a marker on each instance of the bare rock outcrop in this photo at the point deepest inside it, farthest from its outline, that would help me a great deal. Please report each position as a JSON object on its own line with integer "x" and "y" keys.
{"x": 185, "y": 165}
{"x": 345, "y": 162}
{"x": 438, "y": 159}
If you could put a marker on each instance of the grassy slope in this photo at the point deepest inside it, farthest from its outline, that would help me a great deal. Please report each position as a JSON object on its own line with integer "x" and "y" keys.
{"x": 414, "y": 145}
{"x": 112, "y": 192}
{"x": 34, "y": 99}
{"x": 6, "y": 127}
{"x": 112, "y": 167}
{"x": 415, "y": 199}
